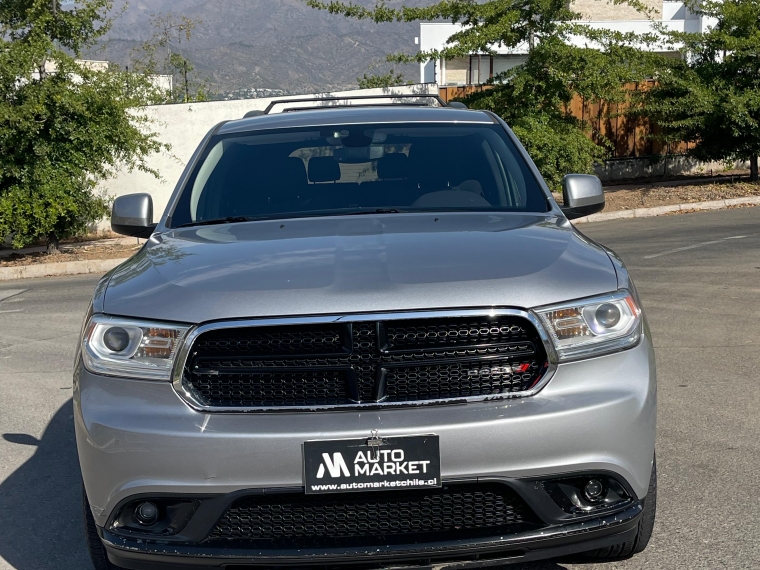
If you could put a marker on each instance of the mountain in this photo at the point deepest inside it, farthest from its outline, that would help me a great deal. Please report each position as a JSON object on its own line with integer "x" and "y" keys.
{"x": 244, "y": 45}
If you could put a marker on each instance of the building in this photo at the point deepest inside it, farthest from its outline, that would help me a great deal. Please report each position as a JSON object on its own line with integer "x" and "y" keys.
{"x": 478, "y": 68}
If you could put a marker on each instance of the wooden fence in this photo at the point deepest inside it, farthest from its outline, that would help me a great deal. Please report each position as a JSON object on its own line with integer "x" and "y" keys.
{"x": 630, "y": 137}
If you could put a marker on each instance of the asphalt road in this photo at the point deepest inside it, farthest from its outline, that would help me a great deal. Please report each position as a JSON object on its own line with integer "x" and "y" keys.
{"x": 699, "y": 277}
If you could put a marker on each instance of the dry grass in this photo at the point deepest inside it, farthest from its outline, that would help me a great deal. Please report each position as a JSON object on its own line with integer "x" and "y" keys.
{"x": 71, "y": 254}
{"x": 653, "y": 196}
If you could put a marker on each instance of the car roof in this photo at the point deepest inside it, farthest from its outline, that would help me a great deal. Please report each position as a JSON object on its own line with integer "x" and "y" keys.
{"x": 325, "y": 117}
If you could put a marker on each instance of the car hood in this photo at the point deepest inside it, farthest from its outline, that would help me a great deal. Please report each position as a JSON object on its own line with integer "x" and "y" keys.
{"x": 351, "y": 264}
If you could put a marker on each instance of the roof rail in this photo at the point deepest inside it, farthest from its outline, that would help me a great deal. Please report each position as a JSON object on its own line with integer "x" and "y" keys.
{"x": 333, "y": 102}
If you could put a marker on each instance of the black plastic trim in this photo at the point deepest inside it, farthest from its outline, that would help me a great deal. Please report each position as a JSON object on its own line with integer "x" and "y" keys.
{"x": 382, "y": 361}
{"x": 545, "y": 543}
{"x": 581, "y": 211}
{"x": 143, "y": 232}
{"x": 389, "y": 97}
{"x": 213, "y": 507}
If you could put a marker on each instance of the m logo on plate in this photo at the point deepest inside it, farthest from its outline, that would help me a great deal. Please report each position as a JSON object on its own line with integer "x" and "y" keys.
{"x": 335, "y": 465}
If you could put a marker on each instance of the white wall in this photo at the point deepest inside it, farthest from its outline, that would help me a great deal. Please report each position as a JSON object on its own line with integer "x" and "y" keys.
{"x": 183, "y": 127}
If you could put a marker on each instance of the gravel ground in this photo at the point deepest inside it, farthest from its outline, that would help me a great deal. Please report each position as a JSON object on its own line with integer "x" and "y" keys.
{"x": 628, "y": 198}
{"x": 651, "y": 197}
{"x": 78, "y": 253}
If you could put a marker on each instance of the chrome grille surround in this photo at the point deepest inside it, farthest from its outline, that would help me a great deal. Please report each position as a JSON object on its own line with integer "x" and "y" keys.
{"x": 187, "y": 394}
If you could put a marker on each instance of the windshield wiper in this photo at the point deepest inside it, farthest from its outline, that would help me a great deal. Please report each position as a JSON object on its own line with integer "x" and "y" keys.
{"x": 227, "y": 220}
{"x": 315, "y": 214}
{"x": 375, "y": 211}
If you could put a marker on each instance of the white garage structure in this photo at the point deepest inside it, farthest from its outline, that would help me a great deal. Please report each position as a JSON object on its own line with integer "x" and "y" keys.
{"x": 479, "y": 68}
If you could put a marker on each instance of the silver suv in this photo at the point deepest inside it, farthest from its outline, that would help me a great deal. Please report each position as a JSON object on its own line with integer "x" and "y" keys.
{"x": 364, "y": 335}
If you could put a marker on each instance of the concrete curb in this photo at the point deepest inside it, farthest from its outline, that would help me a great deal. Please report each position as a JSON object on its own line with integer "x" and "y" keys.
{"x": 662, "y": 210}
{"x": 56, "y": 269}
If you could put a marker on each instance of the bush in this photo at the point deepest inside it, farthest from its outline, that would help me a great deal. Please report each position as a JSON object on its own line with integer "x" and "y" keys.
{"x": 63, "y": 126}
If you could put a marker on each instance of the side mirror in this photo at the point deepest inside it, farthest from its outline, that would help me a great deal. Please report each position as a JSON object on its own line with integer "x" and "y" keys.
{"x": 583, "y": 195}
{"x": 132, "y": 215}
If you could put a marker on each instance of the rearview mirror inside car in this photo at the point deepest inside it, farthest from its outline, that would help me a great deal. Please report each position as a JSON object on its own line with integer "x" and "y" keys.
{"x": 583, "y": 195}
{"x": 358, "y": 155}
{"x": 132, "y": 215}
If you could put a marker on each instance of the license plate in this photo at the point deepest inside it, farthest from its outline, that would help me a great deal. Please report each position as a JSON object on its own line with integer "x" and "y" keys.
{"x": 372, "y": 464}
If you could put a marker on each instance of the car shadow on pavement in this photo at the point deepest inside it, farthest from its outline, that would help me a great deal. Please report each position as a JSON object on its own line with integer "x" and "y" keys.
{"x": 40, "y": 512}
{"x": 40, "y": 504}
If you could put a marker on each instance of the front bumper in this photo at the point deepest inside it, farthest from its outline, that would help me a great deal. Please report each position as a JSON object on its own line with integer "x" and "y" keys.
{"x": 548, "y": 542}
{"x": 139, "y": 438}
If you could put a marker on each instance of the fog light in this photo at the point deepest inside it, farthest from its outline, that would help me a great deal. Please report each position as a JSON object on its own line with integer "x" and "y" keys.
{"x": 587, "y": 494}
{"x": 146, "y": 514}
{"x": 593, "y": 491}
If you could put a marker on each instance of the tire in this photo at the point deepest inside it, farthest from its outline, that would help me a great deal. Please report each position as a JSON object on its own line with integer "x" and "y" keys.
{"x": 644, "y": 533}
{"x": 94, "y": 544}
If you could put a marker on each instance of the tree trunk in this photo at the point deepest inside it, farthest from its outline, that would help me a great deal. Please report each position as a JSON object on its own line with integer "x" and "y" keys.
{"x": 753, "y": 169}
{"x": 187, "y": 86}
{"x": 53, "y": 245}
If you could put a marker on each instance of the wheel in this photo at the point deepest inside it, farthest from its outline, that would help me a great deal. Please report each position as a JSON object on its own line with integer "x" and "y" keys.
{"x": 644, "y": 533}
{"x": 94, "y": 544}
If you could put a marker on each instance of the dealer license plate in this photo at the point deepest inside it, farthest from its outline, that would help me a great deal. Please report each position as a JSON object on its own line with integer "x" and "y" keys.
{"x": 372, "y": 464}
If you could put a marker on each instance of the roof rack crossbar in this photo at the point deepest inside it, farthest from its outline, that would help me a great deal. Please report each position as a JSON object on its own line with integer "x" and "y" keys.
{"x": 271, "y": 105}
{"x": 328, "y": 107}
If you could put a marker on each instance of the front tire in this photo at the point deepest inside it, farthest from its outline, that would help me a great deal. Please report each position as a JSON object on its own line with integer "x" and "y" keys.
{"x": 644, "y": 533}
{"x": 94, "y": 545}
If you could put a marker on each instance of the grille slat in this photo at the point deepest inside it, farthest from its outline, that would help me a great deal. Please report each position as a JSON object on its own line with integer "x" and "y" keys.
{"x": 422, "y": 334}
{"x": 373, "y": 518}
{"x": 406, "y": 360}
{"x": 274, "y": 388}
{"x": 459, "y": 380}
{"x": 274, "y": 341}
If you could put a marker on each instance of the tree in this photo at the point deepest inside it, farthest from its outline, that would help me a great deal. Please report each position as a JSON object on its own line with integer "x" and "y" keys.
{"x": 565, "y": 60}
{"x": 390, "y": 79}
{"x": 169, "y": 34}
{"x": 711, "y": 98}
{"x": 64, "y": 125}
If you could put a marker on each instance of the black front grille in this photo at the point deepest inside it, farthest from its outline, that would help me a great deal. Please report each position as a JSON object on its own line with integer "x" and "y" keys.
{"x": 274, "y": 341}
{"x": 407, "y": 360}
{"x": 421, "y": 334}
{"x": 273, "y": 388}
{"x": 297, "y": 520}
{"x": 462, "y": 379}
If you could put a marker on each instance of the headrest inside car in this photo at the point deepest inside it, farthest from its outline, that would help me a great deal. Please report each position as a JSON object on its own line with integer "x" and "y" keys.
{"x": 394, "y": 165}
{"x": 323, "y": 169}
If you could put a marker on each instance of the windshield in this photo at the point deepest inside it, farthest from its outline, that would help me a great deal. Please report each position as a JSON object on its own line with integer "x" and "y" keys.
{"x": 356, "y": 169}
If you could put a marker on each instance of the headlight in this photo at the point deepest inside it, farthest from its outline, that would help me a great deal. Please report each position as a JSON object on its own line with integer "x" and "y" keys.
{"x": 131, "y": 348}
{"x": 595, "y": 326}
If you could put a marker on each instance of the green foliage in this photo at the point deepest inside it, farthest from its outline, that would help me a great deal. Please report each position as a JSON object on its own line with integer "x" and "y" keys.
{"x": 390, "y": 79}
{"x": 162, "y": 54}
{"x": 557, "y": 146}
{"x": 535, "y": 97}
{"x": 64, "y": 126}
{"x": 712, "y": 97}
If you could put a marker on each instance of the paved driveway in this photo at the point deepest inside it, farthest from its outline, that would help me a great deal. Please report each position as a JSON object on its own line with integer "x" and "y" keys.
{"x": 699, "y": 276}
